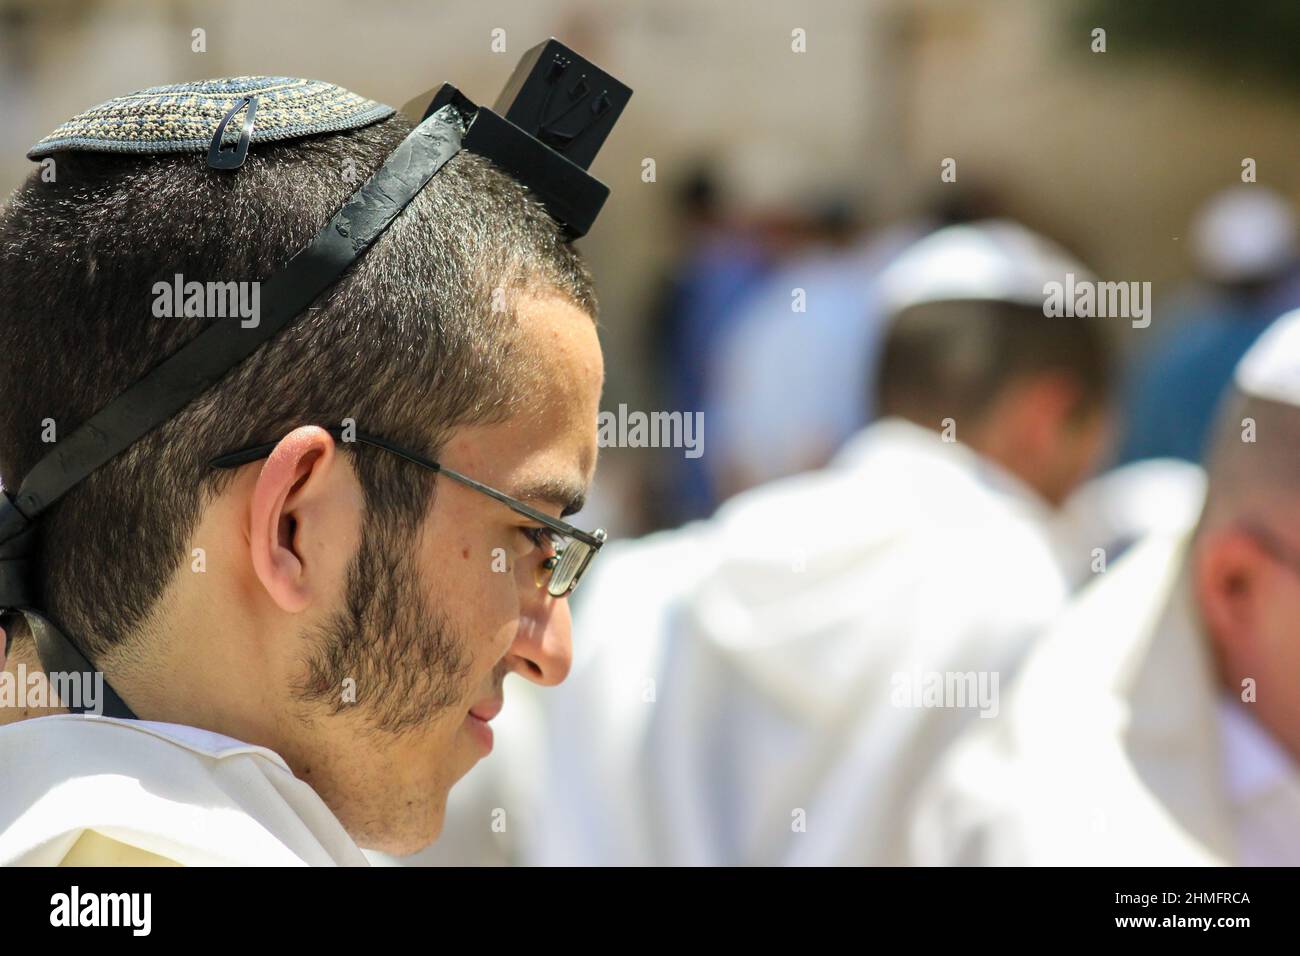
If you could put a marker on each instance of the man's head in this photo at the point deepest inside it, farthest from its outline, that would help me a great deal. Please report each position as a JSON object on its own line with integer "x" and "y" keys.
{"x": 1245, "y": 559}
{"x": 333, "y": 601}
{"x": 968, "y": 341}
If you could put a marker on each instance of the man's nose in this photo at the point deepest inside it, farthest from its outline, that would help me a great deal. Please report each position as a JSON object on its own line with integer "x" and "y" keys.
{"x": 543, "y": 648}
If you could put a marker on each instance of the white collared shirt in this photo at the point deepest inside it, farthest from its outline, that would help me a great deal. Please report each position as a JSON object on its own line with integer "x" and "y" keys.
{"x": 99, "y": 791}
{"x": 1263, "y": 785}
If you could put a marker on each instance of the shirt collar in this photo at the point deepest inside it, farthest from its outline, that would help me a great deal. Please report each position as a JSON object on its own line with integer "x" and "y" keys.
{"x": 1253, "y": 761}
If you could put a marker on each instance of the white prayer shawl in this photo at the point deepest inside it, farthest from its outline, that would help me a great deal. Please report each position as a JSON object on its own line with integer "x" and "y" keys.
{"x": 96, "y": 791}
{"x": 1110, "y": 749}
{"x": 734, "y": 694}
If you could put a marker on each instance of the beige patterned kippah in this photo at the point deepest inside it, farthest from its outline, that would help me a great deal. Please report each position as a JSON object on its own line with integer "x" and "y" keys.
{"x": 183, "y": 118}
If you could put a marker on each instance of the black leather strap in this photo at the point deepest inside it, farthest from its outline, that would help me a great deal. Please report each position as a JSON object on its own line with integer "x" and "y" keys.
{"x": 17, "y": 538}
{"x": 60, "y": 656}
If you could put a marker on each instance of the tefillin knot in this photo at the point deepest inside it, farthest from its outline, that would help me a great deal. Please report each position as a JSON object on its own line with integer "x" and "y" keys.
{"x": 570, "y": 106}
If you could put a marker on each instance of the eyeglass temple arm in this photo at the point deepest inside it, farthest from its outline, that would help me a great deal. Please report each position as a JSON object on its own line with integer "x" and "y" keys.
{"x": 246, "y": 456}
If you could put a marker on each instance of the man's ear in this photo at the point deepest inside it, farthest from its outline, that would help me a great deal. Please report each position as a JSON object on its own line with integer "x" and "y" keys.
{"x": 1025, "y": 428}
{"x": 290, "y": 487}
{"x": 1046, "y": 403}
{"x": 1228, "y": 573}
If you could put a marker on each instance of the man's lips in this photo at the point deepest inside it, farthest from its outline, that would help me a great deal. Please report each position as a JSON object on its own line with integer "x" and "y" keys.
{"x": 477, "y": 721}
{"x": 487, "y": 709}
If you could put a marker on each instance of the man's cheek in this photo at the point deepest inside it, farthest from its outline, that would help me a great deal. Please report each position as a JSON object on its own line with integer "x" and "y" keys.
{"x": 495, "y": 619}
{"x": 545, "y": 620}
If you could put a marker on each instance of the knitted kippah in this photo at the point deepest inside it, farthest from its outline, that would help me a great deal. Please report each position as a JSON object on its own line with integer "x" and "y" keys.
{"x": 183, "y": 118}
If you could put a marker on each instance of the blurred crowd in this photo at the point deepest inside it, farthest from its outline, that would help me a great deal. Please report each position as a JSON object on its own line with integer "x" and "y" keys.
{"x": 772, "y": 326}
{"x": 956, "y": 580}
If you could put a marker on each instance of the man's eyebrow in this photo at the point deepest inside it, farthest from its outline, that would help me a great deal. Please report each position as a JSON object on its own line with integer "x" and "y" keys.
{"x": 566, "y": 494}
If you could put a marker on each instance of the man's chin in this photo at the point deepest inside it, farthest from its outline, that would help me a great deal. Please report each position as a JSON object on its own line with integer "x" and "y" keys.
{"x": 415, "y": 811}
{"x": 411, "y": 841}
{"x": 403, "y": 831}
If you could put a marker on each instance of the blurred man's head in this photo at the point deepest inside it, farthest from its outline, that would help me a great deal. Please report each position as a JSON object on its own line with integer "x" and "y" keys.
{"x": 969, "y": 341}
{"x": 1244, "y": 237}
{"x": 1246, "y": 555}
{"x": 328, "y": 601}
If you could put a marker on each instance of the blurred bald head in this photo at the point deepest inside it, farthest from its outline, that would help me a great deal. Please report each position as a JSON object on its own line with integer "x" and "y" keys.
{"x": 1253, "y": 462}
{"x": 1244, "y": 564}
{"x": 1254, "y": 457}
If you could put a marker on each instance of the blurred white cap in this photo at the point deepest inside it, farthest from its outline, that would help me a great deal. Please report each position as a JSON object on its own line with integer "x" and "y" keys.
{"x": 1271, "y": 369}
{"x": 1244, "y": 232}
{"x": 995, "y": 260}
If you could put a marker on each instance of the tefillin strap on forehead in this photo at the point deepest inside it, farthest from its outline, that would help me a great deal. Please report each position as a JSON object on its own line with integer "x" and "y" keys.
{"x": 558, "y": 110}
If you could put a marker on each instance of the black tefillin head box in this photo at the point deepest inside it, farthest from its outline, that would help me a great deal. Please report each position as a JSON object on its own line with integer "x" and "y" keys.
{"x": 544, "y": 129}
{"x": 569, "y": 103}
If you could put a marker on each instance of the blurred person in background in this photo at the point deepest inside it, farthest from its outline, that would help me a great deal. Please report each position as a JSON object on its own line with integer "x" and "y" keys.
{"x": 740, "y": 688}
{"x": 787, "y": 383}
{"x": 1158, "y": 724}
{"x": 1244, "y": 243}
{"x": 722, "y": 260}
{"x": 793, "y": 378}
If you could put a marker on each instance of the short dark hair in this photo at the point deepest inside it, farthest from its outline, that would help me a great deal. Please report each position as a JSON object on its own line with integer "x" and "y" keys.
{"x": 953, "y": 358}
{"x": 417, "y": 339}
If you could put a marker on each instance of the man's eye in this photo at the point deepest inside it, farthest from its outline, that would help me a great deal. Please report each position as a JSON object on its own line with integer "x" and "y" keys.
{"x": 540, "y": 537}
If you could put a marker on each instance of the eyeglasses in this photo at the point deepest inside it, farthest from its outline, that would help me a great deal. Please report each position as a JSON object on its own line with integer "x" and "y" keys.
{"x": 559, "y": 573}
